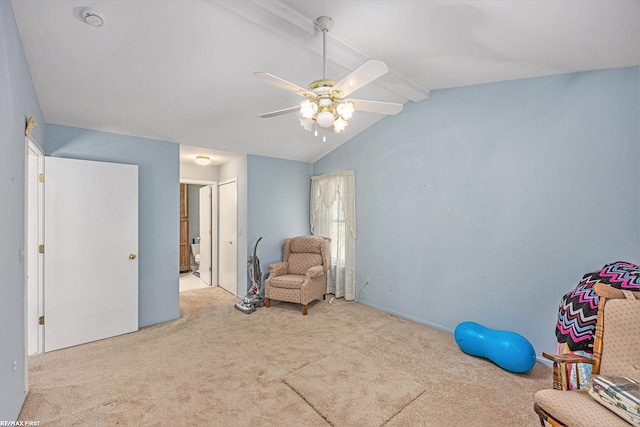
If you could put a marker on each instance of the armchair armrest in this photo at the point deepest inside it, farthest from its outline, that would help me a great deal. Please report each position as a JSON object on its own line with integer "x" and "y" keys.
{"x": 559, "y": 364}
{"x": 567, "y": 358}
{"x": 278, "y": 269}
{"x": 315, "y": 271}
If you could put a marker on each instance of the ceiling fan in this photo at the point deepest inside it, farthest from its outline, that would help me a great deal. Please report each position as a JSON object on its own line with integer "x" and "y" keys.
{"x": 325, "y": 103}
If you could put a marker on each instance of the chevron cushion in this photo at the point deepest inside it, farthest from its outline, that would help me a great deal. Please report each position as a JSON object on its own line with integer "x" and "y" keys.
{"x": 578, "y": 311}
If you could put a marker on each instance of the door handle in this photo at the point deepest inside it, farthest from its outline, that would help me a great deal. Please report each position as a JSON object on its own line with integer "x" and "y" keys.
{"x": 132, "y": 256}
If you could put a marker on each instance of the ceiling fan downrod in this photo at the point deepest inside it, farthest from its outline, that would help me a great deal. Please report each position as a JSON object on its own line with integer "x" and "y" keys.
{"x": 324, "y": 24}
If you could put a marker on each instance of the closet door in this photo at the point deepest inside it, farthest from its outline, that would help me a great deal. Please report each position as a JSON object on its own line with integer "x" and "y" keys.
{"x": 90, "y": 251}
{"x": 228, "y": 237}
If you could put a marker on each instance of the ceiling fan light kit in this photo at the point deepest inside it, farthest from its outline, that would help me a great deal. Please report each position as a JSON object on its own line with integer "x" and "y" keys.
{"x": 325, "y": 106}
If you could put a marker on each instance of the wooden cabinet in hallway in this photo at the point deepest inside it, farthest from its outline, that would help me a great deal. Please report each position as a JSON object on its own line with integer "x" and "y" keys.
{"x": 184, "y": 228}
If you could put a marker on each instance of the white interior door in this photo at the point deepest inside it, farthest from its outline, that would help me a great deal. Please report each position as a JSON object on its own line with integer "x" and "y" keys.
{"x": 213, "y": 206}
{"x": 228, "y": 236}
{"x": 91, "y": 245}
{"x": 206, "y": 234}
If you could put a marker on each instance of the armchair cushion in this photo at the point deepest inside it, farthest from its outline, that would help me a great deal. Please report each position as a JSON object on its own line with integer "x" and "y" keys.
{"x": 299, "y": 263}
{"x": 287, "y": 281}
{"x": 622, "y": 357}
{"x": 577, "y": 409}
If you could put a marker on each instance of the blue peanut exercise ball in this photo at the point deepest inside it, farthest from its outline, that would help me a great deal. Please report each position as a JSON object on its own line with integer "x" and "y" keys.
{"x": 509, "y": 350}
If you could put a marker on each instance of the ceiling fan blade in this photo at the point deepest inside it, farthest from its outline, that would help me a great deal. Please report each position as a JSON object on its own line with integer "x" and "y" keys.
{"x": 279, "y": 112}
{"x": 364, "y": 74}
{"x": 376, "y": 106}
{"x": 283, "y": 84}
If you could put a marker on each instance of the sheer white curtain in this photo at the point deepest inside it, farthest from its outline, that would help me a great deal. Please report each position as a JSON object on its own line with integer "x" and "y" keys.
{"x": 333, "y": 215}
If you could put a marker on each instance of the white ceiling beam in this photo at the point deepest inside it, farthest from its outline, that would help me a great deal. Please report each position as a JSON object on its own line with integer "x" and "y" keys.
{"x": 297, "y": 28}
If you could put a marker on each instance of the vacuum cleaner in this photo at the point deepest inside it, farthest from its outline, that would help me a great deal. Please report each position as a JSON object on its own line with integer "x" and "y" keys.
{"x": 253, "y": 299}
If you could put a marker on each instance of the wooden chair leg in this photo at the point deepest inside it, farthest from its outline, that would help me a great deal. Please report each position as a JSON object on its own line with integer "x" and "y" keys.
{"x": 304, "y": 309}
{"x": 267, "y": 302}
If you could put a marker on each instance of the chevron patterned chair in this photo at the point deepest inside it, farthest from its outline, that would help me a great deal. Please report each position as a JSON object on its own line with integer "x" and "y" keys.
{"x": 301, "y": 277}
{"x": 616, "y": 353}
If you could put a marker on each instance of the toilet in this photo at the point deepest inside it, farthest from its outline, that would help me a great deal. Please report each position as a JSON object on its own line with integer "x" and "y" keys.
{"x": 195, "y": 250}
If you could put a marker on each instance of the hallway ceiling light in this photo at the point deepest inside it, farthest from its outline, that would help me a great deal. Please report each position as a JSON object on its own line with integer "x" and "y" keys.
{"x": 203, "y": 160}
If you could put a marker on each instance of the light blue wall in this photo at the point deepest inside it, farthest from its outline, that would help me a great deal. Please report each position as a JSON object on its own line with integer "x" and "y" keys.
{"x": 18, "y": 101}
{"x": 488, "y": 203}
{"x": 159, "y": 193}
{"x": 278, "y": 200}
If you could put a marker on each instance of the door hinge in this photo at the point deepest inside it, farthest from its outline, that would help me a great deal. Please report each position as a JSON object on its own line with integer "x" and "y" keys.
{"x": 41, "y": 320}
{"x": 210, "y": 196}
{"x": 210, "y": 269}
{"x": 41, "y": 249}
{"x": 41, "y": 177}
{"x": 210, "y": 232}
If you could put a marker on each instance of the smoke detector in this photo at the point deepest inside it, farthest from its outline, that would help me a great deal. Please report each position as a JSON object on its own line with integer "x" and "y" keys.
{"x": 92, "y": 17}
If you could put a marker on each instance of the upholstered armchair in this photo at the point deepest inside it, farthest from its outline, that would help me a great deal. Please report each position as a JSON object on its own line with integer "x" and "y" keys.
{"x": 301, "y": 277}
{"x": 616, "y": 354}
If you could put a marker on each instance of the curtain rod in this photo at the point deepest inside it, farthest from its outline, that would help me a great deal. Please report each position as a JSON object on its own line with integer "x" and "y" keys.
{"x": 347, "y": 172}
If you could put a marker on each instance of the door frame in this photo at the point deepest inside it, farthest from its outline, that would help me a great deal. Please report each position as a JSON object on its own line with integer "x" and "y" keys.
{"x": 34, "y": 232}
{"x": 214, "y": 226}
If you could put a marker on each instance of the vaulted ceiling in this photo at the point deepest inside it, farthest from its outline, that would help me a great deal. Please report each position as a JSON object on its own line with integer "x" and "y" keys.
{"x": 181, "y": 70}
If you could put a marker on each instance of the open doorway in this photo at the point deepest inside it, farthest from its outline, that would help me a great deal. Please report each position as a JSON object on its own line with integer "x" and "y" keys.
{"x": 198, "y": 206}
{"x": 220, "y": 170}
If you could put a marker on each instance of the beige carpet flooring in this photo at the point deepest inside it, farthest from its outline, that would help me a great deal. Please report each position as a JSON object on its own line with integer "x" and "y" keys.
{"x": 344, "y": 364}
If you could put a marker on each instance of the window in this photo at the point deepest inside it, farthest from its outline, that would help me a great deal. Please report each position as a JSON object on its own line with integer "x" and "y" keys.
{"x": 333, "y": 215}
